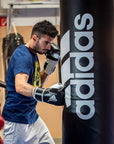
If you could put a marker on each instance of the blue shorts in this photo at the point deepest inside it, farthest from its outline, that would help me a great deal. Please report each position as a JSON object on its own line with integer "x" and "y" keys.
{"x": 36, "y": 133}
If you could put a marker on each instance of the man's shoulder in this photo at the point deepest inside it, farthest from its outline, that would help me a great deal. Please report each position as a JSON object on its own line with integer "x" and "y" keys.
{"x": 22, "y": 50}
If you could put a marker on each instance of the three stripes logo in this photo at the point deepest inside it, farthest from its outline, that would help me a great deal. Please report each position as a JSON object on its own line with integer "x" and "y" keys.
{"x": 52, "y": 99}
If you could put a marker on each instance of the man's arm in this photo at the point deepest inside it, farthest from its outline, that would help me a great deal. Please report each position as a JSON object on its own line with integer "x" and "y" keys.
{"x": 53, "y": 95}
{"x": 44, "y": 77}
{"x": 25, "y": 88}
{"x": 22, "y": 86}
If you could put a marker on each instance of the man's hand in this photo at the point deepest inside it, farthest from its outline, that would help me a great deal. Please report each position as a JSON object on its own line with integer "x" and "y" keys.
{"x": 52, "y": 57}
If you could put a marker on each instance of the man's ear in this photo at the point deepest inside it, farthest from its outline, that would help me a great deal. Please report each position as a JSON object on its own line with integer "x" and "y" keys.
{"x": 34, "y": 37}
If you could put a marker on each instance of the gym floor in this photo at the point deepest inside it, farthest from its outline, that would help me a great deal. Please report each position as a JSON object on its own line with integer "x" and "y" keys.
{"x": 58, "y": 140}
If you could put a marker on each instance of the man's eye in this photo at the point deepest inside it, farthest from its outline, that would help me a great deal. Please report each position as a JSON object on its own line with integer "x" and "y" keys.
{"x": 46, "y": 42}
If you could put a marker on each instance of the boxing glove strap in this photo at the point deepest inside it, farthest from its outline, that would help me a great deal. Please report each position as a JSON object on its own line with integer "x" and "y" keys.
{"x": 49, "y": 66}
{"x": 40, "y": 93}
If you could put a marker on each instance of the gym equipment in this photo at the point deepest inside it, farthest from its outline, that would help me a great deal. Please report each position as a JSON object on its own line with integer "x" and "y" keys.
{"x": 1, "y": 122}
{"x": 1, "y": 127}
{"x": 87, "y": 59}
{"x": 53, "y": 95}
{"x": 1, "y": 141}
{"x": 52, "y": 58}
{"x": 2, "y": 84}
{"x": 11, "y": 40}
{"x": 10, "y": 43}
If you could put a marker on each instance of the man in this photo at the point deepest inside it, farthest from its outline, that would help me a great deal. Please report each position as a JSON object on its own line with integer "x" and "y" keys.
{"x": 24, "y": 83}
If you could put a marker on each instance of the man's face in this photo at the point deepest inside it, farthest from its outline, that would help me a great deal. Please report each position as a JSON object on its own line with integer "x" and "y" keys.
{"x": 43, "y": 44}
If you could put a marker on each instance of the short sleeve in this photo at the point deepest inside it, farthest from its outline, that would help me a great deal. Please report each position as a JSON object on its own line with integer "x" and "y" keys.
{"x": 22, "y": 63}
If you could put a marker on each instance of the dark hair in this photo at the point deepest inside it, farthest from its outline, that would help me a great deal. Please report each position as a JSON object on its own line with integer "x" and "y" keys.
{"x": 44, "y": 28}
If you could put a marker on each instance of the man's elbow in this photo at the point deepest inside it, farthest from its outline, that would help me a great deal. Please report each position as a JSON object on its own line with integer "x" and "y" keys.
{"x": 19, "y": 89}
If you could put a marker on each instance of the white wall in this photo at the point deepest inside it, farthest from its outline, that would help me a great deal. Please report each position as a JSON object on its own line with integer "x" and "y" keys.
{"x": 29, "y": 16}
{"x": 3, "y": 12}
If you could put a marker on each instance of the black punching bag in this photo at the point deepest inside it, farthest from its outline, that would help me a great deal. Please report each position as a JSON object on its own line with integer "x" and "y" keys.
{"x": 87, "y": 62}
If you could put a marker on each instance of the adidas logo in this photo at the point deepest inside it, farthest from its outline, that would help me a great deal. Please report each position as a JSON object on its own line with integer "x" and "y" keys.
{"x": 52, "y": 99}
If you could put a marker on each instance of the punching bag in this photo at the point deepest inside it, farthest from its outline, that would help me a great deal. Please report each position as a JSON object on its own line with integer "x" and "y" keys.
{"x": 10, "y": 43}
{"x": 87, "y": 62}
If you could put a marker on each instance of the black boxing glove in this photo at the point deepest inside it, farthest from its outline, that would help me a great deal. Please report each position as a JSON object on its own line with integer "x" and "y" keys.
{"x": 52, "y": 57}
{"x": 53, "y": 95}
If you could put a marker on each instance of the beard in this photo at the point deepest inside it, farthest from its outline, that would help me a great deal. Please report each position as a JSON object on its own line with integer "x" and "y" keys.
{"x": 38, "y": 49}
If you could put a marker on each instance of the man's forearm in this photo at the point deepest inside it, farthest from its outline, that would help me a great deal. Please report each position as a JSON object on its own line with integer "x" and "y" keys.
{"x": 22, "y": 86}
{"x": 44, "y": 77}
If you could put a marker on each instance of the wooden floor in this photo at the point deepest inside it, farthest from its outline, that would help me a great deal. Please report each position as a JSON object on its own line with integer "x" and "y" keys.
{"x": 58, "y": 140}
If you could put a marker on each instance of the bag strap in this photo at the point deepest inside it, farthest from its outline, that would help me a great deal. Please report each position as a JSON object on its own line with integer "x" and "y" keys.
{"x": 14, "y": 27}
{"x": 9, "y": 19}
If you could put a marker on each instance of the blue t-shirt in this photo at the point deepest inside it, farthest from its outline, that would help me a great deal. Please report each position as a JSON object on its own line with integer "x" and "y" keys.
{"x": 20, "y": 108}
